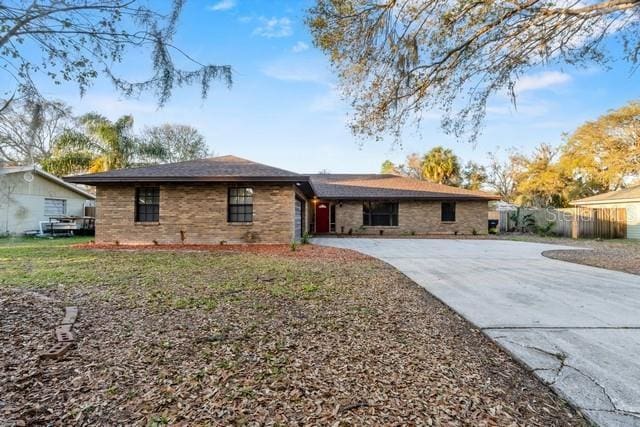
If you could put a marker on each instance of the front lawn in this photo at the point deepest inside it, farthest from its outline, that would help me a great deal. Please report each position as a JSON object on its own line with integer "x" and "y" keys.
{"x": 316, "y": 336}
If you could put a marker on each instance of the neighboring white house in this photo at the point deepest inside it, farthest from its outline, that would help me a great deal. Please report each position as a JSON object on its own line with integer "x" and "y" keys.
{"x": 628, "y": 198}
{"x": 29, "y": 195}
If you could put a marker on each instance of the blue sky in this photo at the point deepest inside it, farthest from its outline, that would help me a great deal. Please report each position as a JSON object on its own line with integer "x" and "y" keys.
{"x": 283, "y": 108}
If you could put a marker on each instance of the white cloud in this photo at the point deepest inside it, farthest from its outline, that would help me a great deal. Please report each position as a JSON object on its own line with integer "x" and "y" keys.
{"x": 274, "y": 27}
{"x": 327, "y": 102}
{"x": 297, "y": 70}
{"x": 542, "y": 80}
{"x": 299, "y": 47}
{"x": 223, "y": 5}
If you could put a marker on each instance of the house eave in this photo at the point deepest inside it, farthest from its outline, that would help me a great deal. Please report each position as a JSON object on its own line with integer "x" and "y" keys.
{"x": 178, "y": 179}
{"x": 604, "y": 202}
{"x": 408, "y": 198}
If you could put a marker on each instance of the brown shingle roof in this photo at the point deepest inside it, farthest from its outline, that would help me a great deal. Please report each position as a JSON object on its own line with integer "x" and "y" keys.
{"x": 328, "y": 186}
{"x": 373, "y": 186}
{"x": 223, "y": 168}
{"x": 632, "y": 193}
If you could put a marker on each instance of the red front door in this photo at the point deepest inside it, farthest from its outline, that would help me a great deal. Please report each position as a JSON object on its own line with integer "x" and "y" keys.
{"x": 322, "y": 218}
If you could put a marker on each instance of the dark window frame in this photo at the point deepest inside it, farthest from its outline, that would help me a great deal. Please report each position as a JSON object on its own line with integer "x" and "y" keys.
{"x": 149, "y": 209}
{"x": 241, "y": 213}
{"x": 448, "y": 212}
{"x": 332, "y": 218}
{"x": 382, "y": 217}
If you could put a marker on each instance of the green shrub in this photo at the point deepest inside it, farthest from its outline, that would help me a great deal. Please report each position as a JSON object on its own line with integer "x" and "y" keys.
{"x": 545, "y": 230}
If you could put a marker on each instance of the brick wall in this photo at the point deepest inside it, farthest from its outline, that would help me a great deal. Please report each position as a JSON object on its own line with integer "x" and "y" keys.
{"x": 198, "y": 210}
{"x": 419, "y": 217}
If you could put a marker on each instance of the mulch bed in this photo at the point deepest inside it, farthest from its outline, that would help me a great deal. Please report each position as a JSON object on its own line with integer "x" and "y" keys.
{"x": 621, "y": 257}
{"x": 279, "y": 250}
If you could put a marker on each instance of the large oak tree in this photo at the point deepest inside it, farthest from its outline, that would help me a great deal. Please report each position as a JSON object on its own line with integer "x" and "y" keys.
{"x": 79, "y": 40}
{"x": 397, "y": 59}
{"x": 604, "y": 154}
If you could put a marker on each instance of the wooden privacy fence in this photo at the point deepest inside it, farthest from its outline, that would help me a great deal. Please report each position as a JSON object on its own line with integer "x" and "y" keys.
{"x": 604, "y": 223}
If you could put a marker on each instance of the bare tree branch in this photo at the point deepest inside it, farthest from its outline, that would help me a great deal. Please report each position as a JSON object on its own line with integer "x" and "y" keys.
{"x": 398, "y": 59}
{"x": 78, "y": 40}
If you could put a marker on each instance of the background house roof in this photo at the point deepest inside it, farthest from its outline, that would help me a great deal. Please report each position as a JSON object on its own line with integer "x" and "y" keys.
{"x": 627, "y": 194}
{"x": 374, "y": 186}
{"x": 223, "y": 168}
{"x": 36, "y": 170}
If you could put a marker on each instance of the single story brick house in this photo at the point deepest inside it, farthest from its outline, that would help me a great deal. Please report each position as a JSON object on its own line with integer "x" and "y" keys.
{"x": 236, "y": 200}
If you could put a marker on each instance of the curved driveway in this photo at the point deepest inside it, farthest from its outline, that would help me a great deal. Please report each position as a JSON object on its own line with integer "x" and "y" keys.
{"x": 576, "y": 327}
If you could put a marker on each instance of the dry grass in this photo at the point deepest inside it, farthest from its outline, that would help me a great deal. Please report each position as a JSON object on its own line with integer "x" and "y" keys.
{"x": 234, "y": 337}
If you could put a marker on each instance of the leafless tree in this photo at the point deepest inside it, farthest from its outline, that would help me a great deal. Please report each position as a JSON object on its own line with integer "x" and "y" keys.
{"x": 170, "y": 143}
{"x": 502, "y": 178}
{"x": 29, "y": 128}
{"x": 7, "y": 190}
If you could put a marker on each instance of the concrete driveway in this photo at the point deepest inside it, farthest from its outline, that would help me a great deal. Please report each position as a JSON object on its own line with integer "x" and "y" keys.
{"x": 576, "y": 327}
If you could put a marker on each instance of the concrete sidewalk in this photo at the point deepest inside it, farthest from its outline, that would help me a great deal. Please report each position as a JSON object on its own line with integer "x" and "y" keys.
{"x": 576, "y": 327}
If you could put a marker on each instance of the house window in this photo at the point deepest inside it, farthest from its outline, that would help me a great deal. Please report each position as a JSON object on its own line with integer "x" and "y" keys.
{"x": 55, "y": 207}
{"x": 448, "y": 211}
{"x": 380, "y": 214}
{"x": 240, "y": 204}
{"x": 148, "y": 204}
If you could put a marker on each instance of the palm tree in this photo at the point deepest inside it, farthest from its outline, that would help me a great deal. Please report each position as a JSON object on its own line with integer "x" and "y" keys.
{"x": 102, "y": 145}
{"x": 442, "y": 166}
